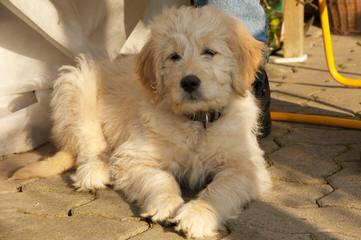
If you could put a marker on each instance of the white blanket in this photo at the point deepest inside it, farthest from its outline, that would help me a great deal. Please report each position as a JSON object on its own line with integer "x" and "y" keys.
{"x": 39, "y": 36}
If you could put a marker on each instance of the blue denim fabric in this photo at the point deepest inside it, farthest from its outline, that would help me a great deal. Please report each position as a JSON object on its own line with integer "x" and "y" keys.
{"x": 200, "y": 2}
{"x": 250, "y": 12}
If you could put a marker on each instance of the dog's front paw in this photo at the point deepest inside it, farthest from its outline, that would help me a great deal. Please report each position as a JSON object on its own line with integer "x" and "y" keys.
{"x": 197, "y": 219}
{"x": 162, "y": 208}
{"x": 91, "y": 175}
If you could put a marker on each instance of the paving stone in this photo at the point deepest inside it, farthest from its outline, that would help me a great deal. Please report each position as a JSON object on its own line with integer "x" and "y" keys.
{"x": 305, "y": 126}
{"x": 250, "y": 232}
{"x": 349, "y": 98}
{"x": 296, "y": 195}
{"x": 323, "y": 108}
{"x": 335, "y": 236}
{"x": 349, "y": 177}
{"x": 158, "y": 232}
{"x": 282, "y": 173}
{"x": 297, "y": 90}
{"x": 338, "y": 222}
{"x": 304, "y": 163}
{"x": 8, "y": 187}
{"x": 353, "y": 154}
{"x": 263, "y": 218}
{"x": 45, "y": 197}
{"x": 324, "y": 223}
{"x": 60, "y": 184}
{"x": 43, "y": 203}
{"x": 268, "y": 145}
{"x": 303, "y": 74}
{"x": 341, "y": 198}
{"x": 11, "y": 186}
{"x": 307, "y": 104}
{"x": 320, "y": 136}
{"x": 281, "y": 102}
{"x": 280, "y": 129}
{"x": 18, "y": 226}
{"x": 108, "y": 203}
{"x": 167, "y": 233}
{"x": 347, "y": 184}
{"x": 312, "y": 75}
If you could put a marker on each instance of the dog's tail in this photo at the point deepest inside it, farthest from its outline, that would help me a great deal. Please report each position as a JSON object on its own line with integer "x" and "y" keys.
{"x": 51, "y": 166}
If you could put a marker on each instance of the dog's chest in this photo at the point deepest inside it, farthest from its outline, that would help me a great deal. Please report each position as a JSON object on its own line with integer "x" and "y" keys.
{"x": 195, "y": 167}
{"x": 198, "y": 153}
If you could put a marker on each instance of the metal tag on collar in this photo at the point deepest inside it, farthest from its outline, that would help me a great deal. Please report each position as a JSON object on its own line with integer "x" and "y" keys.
{"x": 206, "y": 121}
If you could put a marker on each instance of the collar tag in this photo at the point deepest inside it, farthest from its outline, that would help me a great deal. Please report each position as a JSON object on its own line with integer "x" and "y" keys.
{"x": 204, "y": 117}
{"x": 206, "y": 121}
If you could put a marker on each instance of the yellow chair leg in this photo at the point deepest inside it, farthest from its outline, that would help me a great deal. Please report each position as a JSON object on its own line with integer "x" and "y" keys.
{"x": 327, "y": 41}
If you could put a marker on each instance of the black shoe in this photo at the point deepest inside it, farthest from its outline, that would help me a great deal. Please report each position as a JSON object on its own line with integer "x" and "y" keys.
{"x": 262, "y": 92}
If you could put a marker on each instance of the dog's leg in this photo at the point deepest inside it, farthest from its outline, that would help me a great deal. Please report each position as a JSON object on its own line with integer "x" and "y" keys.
{"x": 77, "y": 126}
{"x": 92, "y": 161}
{"x": 219, "y": 201}
{"x": 156, "y": 191}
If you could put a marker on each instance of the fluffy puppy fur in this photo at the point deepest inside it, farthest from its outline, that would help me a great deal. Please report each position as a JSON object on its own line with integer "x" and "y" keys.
{"x": 125, "y": 123}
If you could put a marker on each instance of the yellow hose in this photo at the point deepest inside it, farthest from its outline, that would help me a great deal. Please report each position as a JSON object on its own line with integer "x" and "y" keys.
{"x": 316, "y": 119}
{"x": 319, "y": 119}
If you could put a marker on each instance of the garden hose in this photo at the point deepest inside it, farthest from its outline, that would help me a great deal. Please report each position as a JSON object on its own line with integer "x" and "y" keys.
{"x": 323, "y": 119}
{"x": 316, "y": 119}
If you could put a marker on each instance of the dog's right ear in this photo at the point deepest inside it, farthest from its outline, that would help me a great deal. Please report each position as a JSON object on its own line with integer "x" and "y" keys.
{"x": 146, "y": 68}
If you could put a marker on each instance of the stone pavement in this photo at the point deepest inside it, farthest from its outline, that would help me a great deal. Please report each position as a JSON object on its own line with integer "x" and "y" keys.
{"x": 316, "y": 172}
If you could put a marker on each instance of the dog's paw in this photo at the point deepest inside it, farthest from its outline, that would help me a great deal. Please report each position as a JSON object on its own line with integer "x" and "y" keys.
{"x": 91, "y": 175}
{"x": 197, "y": 219}
{"x": 162, "y": 208}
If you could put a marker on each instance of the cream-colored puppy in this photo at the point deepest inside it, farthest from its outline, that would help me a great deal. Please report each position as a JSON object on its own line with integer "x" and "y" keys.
{"x": 178, "y": 112}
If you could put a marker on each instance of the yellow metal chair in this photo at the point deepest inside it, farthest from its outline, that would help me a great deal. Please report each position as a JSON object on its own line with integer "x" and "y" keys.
{"x": 320, "y": 119}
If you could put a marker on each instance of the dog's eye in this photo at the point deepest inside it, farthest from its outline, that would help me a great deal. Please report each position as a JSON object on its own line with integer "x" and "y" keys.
{"x": 175, "y": 57}
{"x": 209, "y": 52}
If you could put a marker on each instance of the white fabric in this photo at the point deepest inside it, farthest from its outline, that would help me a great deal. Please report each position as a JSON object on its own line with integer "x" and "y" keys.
{"x": 37, "y": 37}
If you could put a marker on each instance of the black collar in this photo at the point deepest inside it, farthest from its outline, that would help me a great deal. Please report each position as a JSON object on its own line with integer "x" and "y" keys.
{"x": 204, "y": 117}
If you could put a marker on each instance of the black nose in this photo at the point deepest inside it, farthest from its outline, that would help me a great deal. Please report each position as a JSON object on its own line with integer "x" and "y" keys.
{"x": 190, "y": 83}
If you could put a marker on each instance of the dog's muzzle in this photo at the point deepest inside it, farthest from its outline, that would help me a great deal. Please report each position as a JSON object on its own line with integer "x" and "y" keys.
{"x": 204, "y": 117}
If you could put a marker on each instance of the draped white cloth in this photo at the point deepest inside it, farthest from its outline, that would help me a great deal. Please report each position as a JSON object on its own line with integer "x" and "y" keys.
{"x": 39, "y": 36}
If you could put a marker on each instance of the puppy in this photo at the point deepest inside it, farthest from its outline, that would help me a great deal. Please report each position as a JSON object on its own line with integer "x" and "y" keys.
{"x": 178, "y": 112}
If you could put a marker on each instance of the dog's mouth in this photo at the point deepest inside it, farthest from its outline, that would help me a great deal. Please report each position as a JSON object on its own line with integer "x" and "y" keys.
{"x": 205, "y": 117}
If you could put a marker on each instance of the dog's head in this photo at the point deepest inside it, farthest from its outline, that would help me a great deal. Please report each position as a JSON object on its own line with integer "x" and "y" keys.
{"x": 198, "y": 59}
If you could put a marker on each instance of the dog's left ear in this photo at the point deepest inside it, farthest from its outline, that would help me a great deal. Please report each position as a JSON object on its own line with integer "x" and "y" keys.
{"x": 249, "y": 54}
{"x": 146, "y": 68}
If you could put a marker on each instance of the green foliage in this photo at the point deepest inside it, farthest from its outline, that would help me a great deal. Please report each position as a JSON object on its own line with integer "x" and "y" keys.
{"x": 274, "y": 11}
